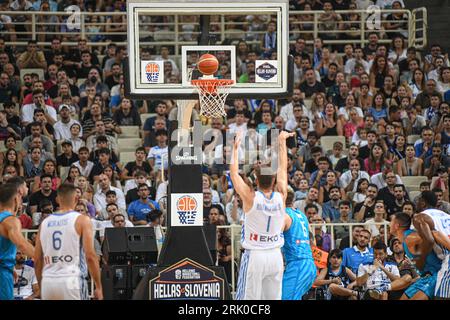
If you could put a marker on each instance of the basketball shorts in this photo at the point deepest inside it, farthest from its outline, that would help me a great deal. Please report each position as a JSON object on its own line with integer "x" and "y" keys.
{"x": 443, "y": 279}
{"x": 425, "y": 284}
{"x": 6, "y": 284}
{"x": 260, "y": 275}
{"x": 64, "y": 288}
{"x": 298, "y": 278}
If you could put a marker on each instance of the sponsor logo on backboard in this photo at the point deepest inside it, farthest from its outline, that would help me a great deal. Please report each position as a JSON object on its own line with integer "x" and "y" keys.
{"x": 266, "y": 71}
{"x": 152, "y": 71}
{"x": 187, "y": 209}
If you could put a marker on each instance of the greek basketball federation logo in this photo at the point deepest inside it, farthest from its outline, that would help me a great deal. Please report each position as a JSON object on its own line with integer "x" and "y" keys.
{"x": 187, "y": 209}
{"x": 152, "y": 71}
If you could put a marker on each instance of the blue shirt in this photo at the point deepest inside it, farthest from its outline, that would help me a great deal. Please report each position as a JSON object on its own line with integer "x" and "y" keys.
{"x": 7, "y": 248}
{"x": 419, "y": 150}
{"x": 432, "y": 262}
{"x": 328, "y": 211}
{"x": 378, "y": 114}
{"x": 140, "y": 210}
{"x": 296, "y": 239}
{"x": 352, "y": 258}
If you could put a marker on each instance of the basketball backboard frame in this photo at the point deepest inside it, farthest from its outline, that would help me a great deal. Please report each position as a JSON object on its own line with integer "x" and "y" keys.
{"x": 136, "y": 89}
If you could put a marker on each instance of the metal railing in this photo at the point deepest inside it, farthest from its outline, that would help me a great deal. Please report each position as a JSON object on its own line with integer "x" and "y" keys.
{"x": 42, "y": 26}
{"x": 235, "y": 236}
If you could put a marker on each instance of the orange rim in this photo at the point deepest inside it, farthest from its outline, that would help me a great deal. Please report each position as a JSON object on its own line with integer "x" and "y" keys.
{"x": 211, "y": 85}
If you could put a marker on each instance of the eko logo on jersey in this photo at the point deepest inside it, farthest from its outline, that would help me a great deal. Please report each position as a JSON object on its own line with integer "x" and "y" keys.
{"x": 186, "y": 209}
{"x": 262, "y": 238}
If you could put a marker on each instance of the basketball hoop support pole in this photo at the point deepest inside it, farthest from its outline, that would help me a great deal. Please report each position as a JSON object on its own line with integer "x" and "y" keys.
{"x": 187, "y": 241}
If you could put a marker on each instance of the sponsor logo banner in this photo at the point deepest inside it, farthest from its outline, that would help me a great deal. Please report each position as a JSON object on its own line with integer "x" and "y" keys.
{"x": 187, "y": 280}
{"x": 152, "y": 71}
{"x": 186, "y": 209}
{"x": 266, "y": 71}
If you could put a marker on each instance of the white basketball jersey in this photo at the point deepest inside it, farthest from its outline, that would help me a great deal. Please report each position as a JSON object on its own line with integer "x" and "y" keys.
{"x": 61, "y": 246}
{"x": 441, "y": 220}
{"x": 264, "y": 223}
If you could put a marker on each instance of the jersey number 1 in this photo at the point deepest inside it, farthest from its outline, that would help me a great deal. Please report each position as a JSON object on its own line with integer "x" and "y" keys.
{"x": 56, "y": 240}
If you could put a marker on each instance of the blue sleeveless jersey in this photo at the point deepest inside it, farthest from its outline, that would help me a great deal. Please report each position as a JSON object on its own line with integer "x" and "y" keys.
{"x": 432, "y": 262}
{"x": 7, "y": 248}
{"x": 296, "y": 239}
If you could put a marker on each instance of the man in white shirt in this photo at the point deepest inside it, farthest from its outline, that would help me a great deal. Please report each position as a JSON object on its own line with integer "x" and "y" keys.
{"x": 117, "y": 220}
{"x": 376, "y": 278}
{"x": 104, "y": 185}
{"x": 379, "y": 180}
{"x": 38, "y": 102}
{"x": 287, "y": 111}
{"x": 100, "y": 130}
{"x": 62, "y": 127}
{"x": 240, "y": 125}
{"x": 83, "y": 163}
{"x": 358, "y": 59}
{"x": 26, "y": 286}
{"x": 158, "y": 155}
{"x": 349, "y": 179}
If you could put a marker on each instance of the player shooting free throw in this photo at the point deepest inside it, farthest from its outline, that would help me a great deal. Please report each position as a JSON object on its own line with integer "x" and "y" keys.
{"x": 261, "y": 270}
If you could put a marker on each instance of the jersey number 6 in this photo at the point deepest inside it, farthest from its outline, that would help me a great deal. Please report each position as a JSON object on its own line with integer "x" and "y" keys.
{"x": 56, "y": 240}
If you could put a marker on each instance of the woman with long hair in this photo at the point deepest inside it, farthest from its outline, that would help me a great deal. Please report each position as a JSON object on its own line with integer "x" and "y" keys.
{"x": 330, "y": 124}
{"x": 350, "y": 105}
{"x": 83, "y": 183}
{"x": 375, "y": 163}
{"x": 398, "y": 152}
{"x": 378, "y": 71}
{"x": 365, "y": 97}
{"x": 352, "y": 125}
{"x": 109, "y": 171}
{"x": 379, "y": 108}
{"x": 398, "y": 50}
{"x": 361, "y": 191}
{"x": 443, "y": 84}
{"x": 74, "y": 172}
{"x": 51, "y": 169}
{"x": 417, "y": 84}
{"x": 410, "y": 165}
{"x": 207, "y": 184}
{"x": 324, "y": 191}
{"x": 12, "y": 158}
{"x": 241, "y": 56}
{"x": 318, "y": 105}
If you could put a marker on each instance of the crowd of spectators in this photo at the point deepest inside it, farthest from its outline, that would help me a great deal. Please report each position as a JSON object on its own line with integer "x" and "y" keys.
{"x": 389, "y": 102}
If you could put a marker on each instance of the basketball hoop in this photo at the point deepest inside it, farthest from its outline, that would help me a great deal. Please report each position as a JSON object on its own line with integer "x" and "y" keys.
{"x": 212, "y": 94}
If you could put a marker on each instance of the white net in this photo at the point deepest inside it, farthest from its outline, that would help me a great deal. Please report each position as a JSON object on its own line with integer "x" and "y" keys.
{"x": 212, "y": 95}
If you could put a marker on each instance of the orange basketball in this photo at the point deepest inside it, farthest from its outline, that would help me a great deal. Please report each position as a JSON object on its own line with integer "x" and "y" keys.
{"x": 186, "y": 204}
{"x": 208, "y": 64}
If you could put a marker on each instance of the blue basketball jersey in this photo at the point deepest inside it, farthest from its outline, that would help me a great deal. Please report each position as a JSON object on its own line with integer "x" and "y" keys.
{"x": 7, "y": 248}
{"x": 432, "y": 262}
{"x": 296, "y": 239}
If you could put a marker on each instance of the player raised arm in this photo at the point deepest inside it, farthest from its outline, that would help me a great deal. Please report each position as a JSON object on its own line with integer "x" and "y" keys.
{"x": 84, "y": 228}
{"x": 245, "y": 192}
{"x": 282, "y": 177}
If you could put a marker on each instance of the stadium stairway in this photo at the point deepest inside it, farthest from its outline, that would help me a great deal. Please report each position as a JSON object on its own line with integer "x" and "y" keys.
{"x": 438, "y": 20}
